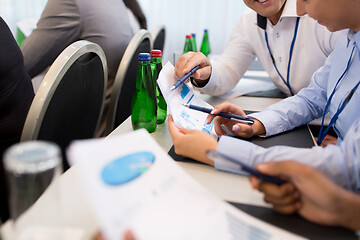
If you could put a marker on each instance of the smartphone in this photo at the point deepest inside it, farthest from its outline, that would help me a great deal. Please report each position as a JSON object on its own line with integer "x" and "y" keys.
{"x": 252, "y": 171}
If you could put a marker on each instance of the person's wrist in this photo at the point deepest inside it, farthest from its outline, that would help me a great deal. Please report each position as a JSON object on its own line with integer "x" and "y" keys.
{"x": 259, "y": 129}
{"x": 199, "y": 83}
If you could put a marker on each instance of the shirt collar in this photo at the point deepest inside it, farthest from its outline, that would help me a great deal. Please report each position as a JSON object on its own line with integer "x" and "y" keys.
{"x": 353, "y": 39}
{"x": 357, "y": 40}
{"x": 289, "y": 9}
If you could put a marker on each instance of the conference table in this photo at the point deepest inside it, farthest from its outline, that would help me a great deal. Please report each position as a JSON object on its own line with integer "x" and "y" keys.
{"x": 64, "y": 208}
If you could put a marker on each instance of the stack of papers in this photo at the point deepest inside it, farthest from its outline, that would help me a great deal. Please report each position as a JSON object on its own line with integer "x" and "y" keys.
{"x": 153, "y": 197}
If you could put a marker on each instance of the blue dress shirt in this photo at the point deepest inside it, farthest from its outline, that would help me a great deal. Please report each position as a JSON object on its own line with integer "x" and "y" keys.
{"x": 339, "y": 162}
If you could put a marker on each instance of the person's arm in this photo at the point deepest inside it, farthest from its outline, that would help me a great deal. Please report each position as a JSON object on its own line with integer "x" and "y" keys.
{"x": 300, "y": 109}
{"x": 339, "y": 163}
{"x": 230, "y": 66}
{"x": 58, "y": 27}
{"x": 316, "y": 197}
{"x": 135, "y": 8}
{"x": 222, "y": 74}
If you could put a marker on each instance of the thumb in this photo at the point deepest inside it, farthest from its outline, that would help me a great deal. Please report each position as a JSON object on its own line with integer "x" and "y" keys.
{"x": 186, "y": 130}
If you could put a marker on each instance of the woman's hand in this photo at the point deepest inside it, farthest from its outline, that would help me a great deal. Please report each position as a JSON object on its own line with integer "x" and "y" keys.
{"x": 238, "y": 129}
{"x": 191, "y": 143}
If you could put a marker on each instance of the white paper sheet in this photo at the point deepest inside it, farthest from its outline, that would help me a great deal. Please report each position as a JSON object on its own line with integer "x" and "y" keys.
{"x": 164, "y": 202}
{"x": 185, "y": 117}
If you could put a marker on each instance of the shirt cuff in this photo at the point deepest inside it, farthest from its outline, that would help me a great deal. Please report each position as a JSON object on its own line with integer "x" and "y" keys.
{"x": 267, "y": 119}
{"x": 226, "y": 146}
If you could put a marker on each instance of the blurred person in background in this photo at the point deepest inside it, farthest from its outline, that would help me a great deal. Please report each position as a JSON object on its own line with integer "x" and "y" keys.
{"x": 16, "y": 95}
{"x": 106, "y": 23}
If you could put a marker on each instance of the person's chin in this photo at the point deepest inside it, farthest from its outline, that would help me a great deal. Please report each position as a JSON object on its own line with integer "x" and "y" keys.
{"x": 329, "y": 27}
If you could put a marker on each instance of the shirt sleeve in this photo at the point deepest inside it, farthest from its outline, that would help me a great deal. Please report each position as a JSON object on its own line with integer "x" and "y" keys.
{"x": 300, "y": 109}
{"x": 228, "y": 68}
{"x": 58, "y": 27}
{"x": 339, "y": 163}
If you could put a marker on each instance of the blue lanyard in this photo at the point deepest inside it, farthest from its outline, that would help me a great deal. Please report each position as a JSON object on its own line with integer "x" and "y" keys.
{"x": 287, "y": 82}
{"x": 322, "y": 134}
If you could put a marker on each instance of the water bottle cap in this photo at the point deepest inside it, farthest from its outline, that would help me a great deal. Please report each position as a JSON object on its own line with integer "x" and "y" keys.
{"x": 155, "y": 53}
{"x": 205, "y": 30}
{"x": 188, "y": 36}
{"x": 193, "y": 34}
{"x": 144, "y": 57}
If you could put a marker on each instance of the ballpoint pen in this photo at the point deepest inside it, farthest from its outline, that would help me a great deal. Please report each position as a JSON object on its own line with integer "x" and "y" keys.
{"x": 243, "y": 166}
{"x": 183, "y": 78}
{"x": 230, "y": 116}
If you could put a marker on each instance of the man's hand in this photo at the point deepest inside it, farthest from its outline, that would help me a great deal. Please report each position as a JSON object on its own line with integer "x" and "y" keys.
{"x": 190, "y": 60}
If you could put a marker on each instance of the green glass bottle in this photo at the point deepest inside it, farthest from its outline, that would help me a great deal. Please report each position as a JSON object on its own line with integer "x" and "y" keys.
{"x": 156, "y": 67}
{"x": 205, "y": 45}
{"x": 144, "y": 103}
{"x": 193, "y": 40}
{"x": 20, "y": 37}
{"x": 188, "y": 44}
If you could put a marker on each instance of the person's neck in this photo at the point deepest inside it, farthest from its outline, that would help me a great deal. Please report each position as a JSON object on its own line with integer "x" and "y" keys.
{"x": 276, "y": 17}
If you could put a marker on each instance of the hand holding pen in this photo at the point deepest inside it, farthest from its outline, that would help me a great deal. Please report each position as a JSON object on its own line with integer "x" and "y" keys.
{"x": 230, "y": 116}
{"x": 183, "y": 78}
{"x": 188, "y": 61}
{"x": 238, "y": 129}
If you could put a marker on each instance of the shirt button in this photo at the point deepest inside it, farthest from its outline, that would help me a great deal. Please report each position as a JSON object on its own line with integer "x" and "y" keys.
{"x": 277, "y": 35}
{"x": 280, "y": 59}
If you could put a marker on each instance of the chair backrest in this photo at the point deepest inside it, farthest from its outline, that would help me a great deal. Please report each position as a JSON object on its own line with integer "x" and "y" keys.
{"x": 70, "y": 99}
{"x": 158, "y": 36}
{"x": 125, "y": 79}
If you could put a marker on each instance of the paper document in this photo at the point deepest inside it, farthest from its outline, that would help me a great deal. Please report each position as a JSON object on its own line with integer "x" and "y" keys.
{"x": 133, "y": 184}
{"x": 246, "y": 86}
{"x": 185, "y": 117}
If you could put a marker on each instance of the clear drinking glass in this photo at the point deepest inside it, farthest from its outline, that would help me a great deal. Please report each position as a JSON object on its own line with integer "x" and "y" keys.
{"x": 30, "y": 167}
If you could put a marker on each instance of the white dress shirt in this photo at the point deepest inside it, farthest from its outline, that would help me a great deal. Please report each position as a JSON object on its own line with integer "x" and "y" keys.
{"x": 248, "y": 41}
{"x": 340, "y": 162}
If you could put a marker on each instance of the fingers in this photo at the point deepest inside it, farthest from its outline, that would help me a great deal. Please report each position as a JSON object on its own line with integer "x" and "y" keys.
{"x": 242, "y": 130}
{"x": 285, "y": 198}
{"x": 288, "y": 209}
{"x": 328, "y": 140}
{"x": 190, "y": 60}
{"x": 128, "y": 235}
{"x": 274, "y": 191}
{"x": 173, "y": 129}
{"x": 228, "y": 108}
{"x": 254, "y": 181}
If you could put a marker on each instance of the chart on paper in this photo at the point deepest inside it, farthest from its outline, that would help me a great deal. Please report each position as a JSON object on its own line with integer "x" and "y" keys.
{"x": 176, "y": 99}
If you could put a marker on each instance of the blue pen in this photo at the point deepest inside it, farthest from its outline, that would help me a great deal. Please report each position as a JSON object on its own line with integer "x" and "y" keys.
{"x": 252, "y": 171}
{"x": 230, "y": 116}
{"x": 183, "y": 78}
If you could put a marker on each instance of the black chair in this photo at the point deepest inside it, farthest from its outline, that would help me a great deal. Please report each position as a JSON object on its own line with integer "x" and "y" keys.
{"x": 70, "y": 99}
{"x": 158, "y": 36}
{"x": 125, "y": 79}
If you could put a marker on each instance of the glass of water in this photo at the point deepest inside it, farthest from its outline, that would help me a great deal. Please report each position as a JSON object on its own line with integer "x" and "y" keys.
{"x": 30, "y": 167}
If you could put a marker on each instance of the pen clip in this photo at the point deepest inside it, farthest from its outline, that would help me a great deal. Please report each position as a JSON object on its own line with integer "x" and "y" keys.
{"x": 249, "y": 122}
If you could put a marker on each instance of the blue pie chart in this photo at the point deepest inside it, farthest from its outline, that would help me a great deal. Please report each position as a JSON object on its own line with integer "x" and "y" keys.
{"x": 127, "y": 168}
